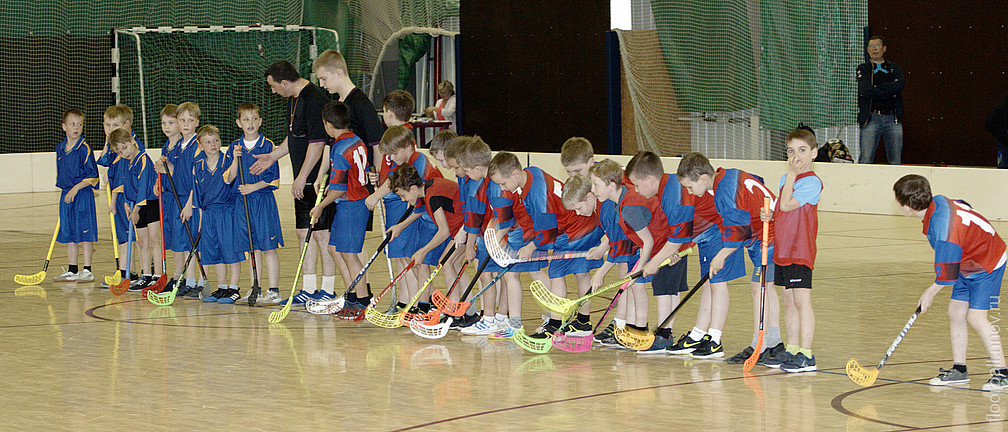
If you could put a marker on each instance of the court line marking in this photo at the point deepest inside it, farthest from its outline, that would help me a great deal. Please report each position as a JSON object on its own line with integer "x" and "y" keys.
{"x": 615, "y": 392}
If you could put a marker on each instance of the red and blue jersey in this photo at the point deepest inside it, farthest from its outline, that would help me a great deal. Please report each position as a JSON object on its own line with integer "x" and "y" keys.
{"x": 536, "y": 207}
{"x": 578, "y": 233}
{"x": 209, "y": 187}
{"x": 441, "y": 193}
{"x": 483, "y": 202}
{"x": 797, "y": 229}
{"x": 964, "y": 242}
{"x": 76, "y": 165}
{"x": 463, "y": 186}
{"x": 140, "y": 179}
{"x": 738, "y": 197}
{"x": 705, "y": 213}
{"x": 421, "y": 163}
{"x": 262, "y": 146}
{"x": 678, "y": 209}
{"x": 348, "y": 162}
{"x": 637, "y": 213}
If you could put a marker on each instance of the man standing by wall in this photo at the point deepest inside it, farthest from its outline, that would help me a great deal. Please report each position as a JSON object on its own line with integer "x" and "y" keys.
{"x": 880, "y": 104}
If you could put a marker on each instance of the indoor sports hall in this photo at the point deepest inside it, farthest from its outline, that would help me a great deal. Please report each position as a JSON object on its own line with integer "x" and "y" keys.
{"x": 726, "y": 79}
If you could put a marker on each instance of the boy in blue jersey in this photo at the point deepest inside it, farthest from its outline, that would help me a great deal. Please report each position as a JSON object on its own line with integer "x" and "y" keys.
{"x": 170, "y": 222}
{"x": 581, "y": 233}
{"x": 648, "y": 176}
{"x": 399, "y": 148}
{"x": 222, "y": 240}
{"x": 118, "y": 117}
{"x": 738, "y": 197}
{"x": 264, "y": 217}
{"x": 535, "y": 204}
{"x": 77, "y": 177}
{"x": 483, "y": 197}
{"x": 141, "y": 204}
{"x": 347, "y": 188}
{"x": 181, "y": 161}
{"x": 970, "y": 257}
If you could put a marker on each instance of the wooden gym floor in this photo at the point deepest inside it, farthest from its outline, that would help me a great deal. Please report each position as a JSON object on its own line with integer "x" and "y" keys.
{"x": 76, "y": 357}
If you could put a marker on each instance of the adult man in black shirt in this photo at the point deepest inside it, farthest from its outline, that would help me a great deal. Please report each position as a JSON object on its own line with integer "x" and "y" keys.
{"x": 880, "y": 104}
{"x": 305, "y": 143}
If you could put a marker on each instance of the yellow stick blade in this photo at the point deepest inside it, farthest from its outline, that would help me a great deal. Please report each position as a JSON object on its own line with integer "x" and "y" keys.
{"x": 633, "y": 339}
{"x": 550, "y": 301}
{"x": 383, "y": 320}
{"x": 860, "y": 375}
{"x": 162, "y": 299}
{"x": 34, "y": 279}
{"x": 535, "y": 345}
{"x": 277, "y": 316}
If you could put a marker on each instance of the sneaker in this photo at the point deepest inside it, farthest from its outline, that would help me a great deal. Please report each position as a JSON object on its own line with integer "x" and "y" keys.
{"x": 684, "y": 345}
{"x": 606, "y": 334}
{"x": 141, "y": 283}
{"x": 799, "y": 363}
{"x": 608, "y": 341}
{"x": 708, "y": 349}
{"x": 949, "y": 377}
{"x": 659, "y": 346}
{"x": 217, "y": 295}
{"x": 776, "y": 360}
{"x": 466, "y": 321}
{"x": 741, "y": 357}
{"x": 195, "y": 293}
{"x": 485, "y": 326}
{"x": 322, "y": 296}
{"x": 85, "y": 276}
{"x": 544, "y": 331}
{"x": 271, "y": 296}
{"x": 66, "y": 277}
{"x": 230, "y": 296}
{"x": 183, "y": 289}
{"x": 578, "y": 329}
{"x": 300, "y": 298}
{"x": 505, "y": 333}
{"x": 996, "y": 383}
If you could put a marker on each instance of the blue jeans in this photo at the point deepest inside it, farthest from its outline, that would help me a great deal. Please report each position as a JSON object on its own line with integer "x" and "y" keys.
{"x": 882, "y": 125}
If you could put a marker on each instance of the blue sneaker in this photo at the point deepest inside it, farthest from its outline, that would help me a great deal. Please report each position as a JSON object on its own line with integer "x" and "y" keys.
{"x": 777, "y": 360}
{"x": 322, "y": 296}
{"x": 799, "y": 363}
{"x": 230, "y": 297}
{"x": 217, "y": 295}
{"x": 659, "y": 346}
{"x": 300, "y": 298}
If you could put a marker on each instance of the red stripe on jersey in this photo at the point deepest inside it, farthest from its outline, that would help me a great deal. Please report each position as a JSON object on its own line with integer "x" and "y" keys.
{"x": 447, "y": 189}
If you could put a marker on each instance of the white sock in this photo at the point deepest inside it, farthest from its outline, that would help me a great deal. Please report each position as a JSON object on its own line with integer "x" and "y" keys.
{"x": 191, "y": 282}
{"x": 234, "y": 287}
{"x": 501, "y": 318}
{"x": 715, "y": 335}
{"x": 697, "y": 334}
{"x": 328, "y": 282}
{"x": 771, "y": 338}
{"x": 620, "y": 323}
{"x": 309, "y": 284}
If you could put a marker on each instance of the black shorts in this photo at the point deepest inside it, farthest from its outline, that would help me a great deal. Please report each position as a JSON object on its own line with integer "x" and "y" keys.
{"x": 149, "y": 213}
{"x": 793, "y": 276}
{"x": 670, "y": 279}
{"x": 304, "y": 205}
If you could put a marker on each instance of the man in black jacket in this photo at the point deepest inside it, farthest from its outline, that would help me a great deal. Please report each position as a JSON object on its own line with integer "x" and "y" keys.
{"x": 997, "y": 125}
{"x": 880, "y": 104}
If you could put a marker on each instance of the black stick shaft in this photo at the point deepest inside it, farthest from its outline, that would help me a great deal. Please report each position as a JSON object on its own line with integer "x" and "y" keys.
{"x": 178, "y": 202}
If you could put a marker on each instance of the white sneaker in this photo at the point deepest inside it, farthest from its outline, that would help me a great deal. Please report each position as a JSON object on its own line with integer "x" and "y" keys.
{"x": 495, "y": 327}
{"x": 66, "y": 277}
{"x": 269, "y": 297}
{"x": 483, "y": 324}
{"x": 85, "y": 276}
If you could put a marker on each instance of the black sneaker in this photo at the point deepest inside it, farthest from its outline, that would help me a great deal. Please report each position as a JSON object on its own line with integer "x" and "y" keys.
{"x": 194, "y": 293}
{"x": 578, "y": 329}
{"x": 741, "y": 357}
{"x": 183, "y": 289}
{"x": 221, "y": 293}
{"x": 608, "y": 334}
{"x": 708, "y": 349}
{"x": 466, "y": 321}
{"x": 231, "y": 295}
{"x": 684, "y": 345}
{"x": 768, "y": 354}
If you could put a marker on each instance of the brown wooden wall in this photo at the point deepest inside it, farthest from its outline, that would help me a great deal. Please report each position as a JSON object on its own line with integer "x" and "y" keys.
{"x": 533, "y": 72}
{"x": 955, "y": 58}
